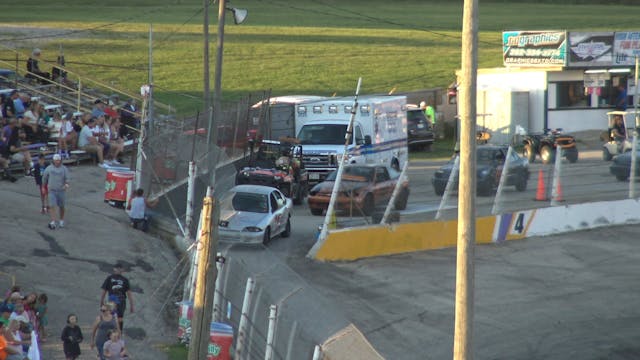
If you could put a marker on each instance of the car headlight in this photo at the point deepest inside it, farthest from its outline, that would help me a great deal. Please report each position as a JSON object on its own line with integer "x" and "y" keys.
{"x": 252, "y": 229}
{"x": 246, "y": 174}
{"x": 484, "y": 172}
{"x": 278, "y": 178}
{"x": 223, "y": 223}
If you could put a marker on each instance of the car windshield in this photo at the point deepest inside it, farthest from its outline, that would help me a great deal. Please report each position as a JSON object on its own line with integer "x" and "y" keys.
{"x": 485, "y": 155}
{"x": 250, "y": 202}
{"x": 355, "y": 173}
{"x": 326, "y": 134}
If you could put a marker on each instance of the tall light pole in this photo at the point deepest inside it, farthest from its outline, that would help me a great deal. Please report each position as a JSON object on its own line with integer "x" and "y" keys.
{"x": 239, "y": 15}
{"x": 463, "y": 331}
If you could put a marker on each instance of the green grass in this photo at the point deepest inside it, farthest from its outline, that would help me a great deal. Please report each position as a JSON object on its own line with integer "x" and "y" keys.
{"x": 177, "y": 352}
{"x": 315, "y": 47}
{"x": 442, "y": 149}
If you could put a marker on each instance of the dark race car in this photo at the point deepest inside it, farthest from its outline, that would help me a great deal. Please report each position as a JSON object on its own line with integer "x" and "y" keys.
{"x": 621, "y": 166}
{"x": 490, "y": 162}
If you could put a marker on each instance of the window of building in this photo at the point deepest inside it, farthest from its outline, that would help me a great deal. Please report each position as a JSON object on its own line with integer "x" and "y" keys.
{"x": 573, "y": 94}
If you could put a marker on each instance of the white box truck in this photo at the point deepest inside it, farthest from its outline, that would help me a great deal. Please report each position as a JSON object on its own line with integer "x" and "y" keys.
{"x": 278, "y": 119}
{"x": 379, "y": 132}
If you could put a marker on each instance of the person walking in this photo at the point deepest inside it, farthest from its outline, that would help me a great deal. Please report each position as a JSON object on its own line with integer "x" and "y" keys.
{"x": 116, "y": 286}
{"x": 56, "y": 179}
{"x": 71, "y": 338}
{"x": 104, "y": 324}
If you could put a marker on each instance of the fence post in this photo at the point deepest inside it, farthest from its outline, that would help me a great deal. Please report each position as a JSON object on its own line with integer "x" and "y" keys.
{"x": 271, "y": 332}
{"x": 503, "y": 178}
{"x": 244, "y": 319}
{"x": 317, "y": 353}
{"x": 217, "y": 296}
{"x": 556, "y": 191}
{"x": 447, "y": 189}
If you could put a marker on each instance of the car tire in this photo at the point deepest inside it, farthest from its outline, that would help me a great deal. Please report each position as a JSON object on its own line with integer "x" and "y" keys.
{"x": 547, "y": 154}
{"x": 368, "y": 205}
{"x": 316, "y": 212}
{"x": 572, "y": 156}
{"x": 287, "y": 230}
{"x": 267, "y": 236}
{"x": 528, "y": 153}
{"x": 401, "y": 200}
{"x": 395, "y": 164}
{"x": 606, "y": 155}
{"x": 438, "y": 190}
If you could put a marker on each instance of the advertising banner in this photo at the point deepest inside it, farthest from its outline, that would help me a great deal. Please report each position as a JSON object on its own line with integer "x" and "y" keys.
{"x": 590, "y": 49}
{"x": 534, "y": 48}
{"x": 626, "y": 47}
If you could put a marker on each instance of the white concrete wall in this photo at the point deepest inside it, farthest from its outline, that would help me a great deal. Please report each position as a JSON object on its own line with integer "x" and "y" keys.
{"x": 578, "y": 119}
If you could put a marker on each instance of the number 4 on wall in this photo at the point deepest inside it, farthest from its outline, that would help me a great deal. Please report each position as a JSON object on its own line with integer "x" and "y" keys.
{"x": 519, "y": 224}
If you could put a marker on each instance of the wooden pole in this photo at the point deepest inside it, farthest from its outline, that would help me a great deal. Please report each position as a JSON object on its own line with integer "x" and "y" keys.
{"x": 205, "y": 280}
{"x": 463, "y": 346}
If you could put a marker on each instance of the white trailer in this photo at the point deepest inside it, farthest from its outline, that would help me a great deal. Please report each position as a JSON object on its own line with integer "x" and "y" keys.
{"x": 278, "y": 119}
{"x": 379, "y": 132}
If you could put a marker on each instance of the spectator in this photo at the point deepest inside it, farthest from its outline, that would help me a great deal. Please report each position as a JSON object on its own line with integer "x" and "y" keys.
{"x": 41, "y": 316}
{"x": 71, "y": 338}
{"x": 114, "y": 347}
{"x": 38, "y": 171}
{"x": 19, "y": 105}
{"x": 56, "y": 178}
{"x": 129, "y": 118}
{"x": 105, "y": 322}
{"x": 31, "y": 120}
{"x": 89, "y": 143}
{"x": 14, "y": 344}
{"x": 34, "y": 69}
{"x": 98, "y": 108}
{"x": 14, "y": 149}
{"x": 115, "y": 142}
{"x": 101, "y": 132}
{"x": 67, "y": 137}
{"x": 116, "y": 286}
{"x": 19, "y": 314}
{"x": 8, "y": 105}
{"x": 138, "y": 210}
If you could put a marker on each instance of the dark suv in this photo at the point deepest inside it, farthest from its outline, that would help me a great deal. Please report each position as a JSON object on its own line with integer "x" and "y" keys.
{"x": 420, "y": 130}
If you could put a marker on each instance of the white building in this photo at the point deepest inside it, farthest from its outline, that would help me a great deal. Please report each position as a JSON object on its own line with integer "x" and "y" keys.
{"x": 556, "y": 79}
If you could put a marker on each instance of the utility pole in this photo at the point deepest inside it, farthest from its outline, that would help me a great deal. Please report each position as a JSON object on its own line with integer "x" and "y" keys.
{"x": 462, "y": 340}
{"x": 205, "y": 282}
{"x": 205, "y": 29}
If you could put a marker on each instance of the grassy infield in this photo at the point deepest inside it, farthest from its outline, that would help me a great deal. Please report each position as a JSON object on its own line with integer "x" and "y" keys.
{"x": 306, "y": 46}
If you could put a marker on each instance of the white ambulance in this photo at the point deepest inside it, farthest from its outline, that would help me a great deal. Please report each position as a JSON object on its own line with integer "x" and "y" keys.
{"x": 379, "y": 132}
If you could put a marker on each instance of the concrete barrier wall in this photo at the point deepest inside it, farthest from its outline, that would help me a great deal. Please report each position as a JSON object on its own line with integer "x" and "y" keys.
{"x": 356, "y": 243}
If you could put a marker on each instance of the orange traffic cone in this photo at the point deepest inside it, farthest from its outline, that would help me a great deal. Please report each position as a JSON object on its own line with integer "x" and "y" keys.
{"x": 541, "y": 193}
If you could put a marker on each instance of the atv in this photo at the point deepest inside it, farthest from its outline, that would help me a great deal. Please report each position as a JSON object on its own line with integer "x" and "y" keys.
{"x": 546, "y": 144}
{"x": 277, "y": 164}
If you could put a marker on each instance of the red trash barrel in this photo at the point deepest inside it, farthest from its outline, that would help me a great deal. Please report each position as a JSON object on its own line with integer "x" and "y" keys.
{"x": 220, "y": 341}
{"x": 115, "y": 186}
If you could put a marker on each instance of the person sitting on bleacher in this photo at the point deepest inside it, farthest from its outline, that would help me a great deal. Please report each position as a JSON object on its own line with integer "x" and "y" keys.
{"x": 89, "y": 143}
{"x": 67, "y": 137}
{"x": 98, "y": 109}
{"x": 34, "y": 69}
{"x": 30, "y": 123}
{"x": 8, "y": 106}
{"x": 14, "y": 149}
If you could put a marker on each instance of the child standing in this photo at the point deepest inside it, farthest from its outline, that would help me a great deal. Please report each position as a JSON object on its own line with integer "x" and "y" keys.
{"x": 41, "y": 315}
{"x": 114, "y": 347}
{"x": 71, "y": 338}
{"x": 37, "y": 174}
